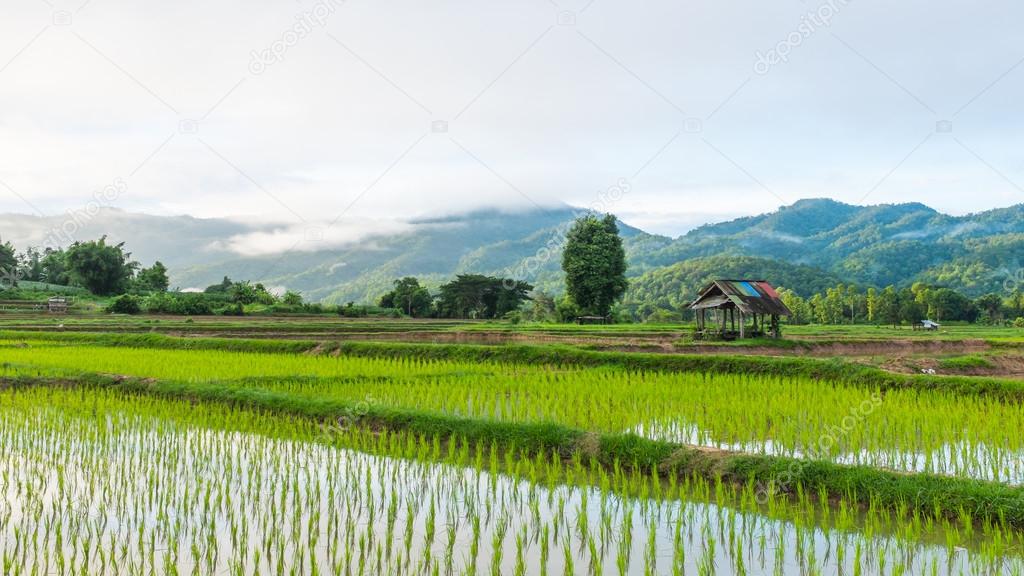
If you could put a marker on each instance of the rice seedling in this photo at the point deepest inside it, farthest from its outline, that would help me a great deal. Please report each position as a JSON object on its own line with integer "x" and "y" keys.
{"x": 904, "y": 429}
{"x": 100, "y": 482}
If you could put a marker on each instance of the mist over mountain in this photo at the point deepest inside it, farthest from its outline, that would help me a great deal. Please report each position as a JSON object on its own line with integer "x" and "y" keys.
{"x": 802, "y": 246}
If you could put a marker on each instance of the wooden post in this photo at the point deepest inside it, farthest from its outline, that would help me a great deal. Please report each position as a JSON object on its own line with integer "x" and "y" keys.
{"x": 743, "y": 325}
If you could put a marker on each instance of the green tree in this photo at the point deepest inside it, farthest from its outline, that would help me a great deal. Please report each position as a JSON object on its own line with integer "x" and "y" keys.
{"x": 291, "y": 298}
{"x": 31, "y": 265}
{"x": 410, "y": 297}
{"x": 125, "y": 304}
{"x": 55, "y": 267}
{"x": 595, "y": 264}
{"x": 992, "y": 305}
{"x": 478, "y": 296}
{"x": 911, "y": 311}
{"x": 871, "y": 300}
{"x": 887, "y": 306}
{"x": 8, "y": 265}
{"x": 542, "y": 308}
{"x": 222, "y": 288}
{"x": 103, "y": 269}
{"x": 247, "y": 293}
{"x": 802, "y": 313}
{"x": 153, "y": 279}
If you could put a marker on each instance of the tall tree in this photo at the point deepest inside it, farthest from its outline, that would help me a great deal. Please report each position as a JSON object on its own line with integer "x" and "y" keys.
{"x": 55, "y": 267}
{"x": 153, "y": 279}
{"x": 992, "y": 304}
{"x": 103, "y": 269}
{"x": 887, "y": 307}
{"x": 8, "y": 265}
{"x": 595, "y": 264}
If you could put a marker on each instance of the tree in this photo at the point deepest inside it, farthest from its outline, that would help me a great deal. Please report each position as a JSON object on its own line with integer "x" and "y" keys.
{"x": 595, "y": 264}
{"x": 871, "y": 300}
{"x": 992, "y": 305}
{"x": 801, "y": 310}
{"x": 223, "y": 288}
{"x": 103, "y": 269}
{"x": 409, "y": 296}
{"x": 887, "y": 306}
{"x": 31, "y": 265}
{"x": 55, "y": 267}
{"x": 125, "y": 304}
{"x": 478, "y": 296}
{"x": 291, "y": 298}
{"x": 911, "y": 311}
{"x": 247, "y": 293}
{"x": 153, "y": 279}
{"x": 8, "y": 265}
{"x": 543, "y": 308}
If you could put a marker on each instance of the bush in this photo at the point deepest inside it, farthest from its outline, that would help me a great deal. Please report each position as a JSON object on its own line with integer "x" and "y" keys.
{"x": 184, "y": 304}
{"x": 235, "y": 309}
{"x": 1018, "y": 323}
{"x": 125, "y": 304}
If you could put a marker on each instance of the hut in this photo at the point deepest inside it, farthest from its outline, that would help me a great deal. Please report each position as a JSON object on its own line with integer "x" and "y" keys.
{"x": 730, "y": 309}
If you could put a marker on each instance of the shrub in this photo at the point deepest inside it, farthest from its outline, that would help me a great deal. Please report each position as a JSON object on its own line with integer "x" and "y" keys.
{"x": 184, "y": 304}
{"x": 125, "y": 304}
{"x": 235, "y": 309}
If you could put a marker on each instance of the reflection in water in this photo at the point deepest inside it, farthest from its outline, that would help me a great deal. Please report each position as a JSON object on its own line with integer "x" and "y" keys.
{"x": 961, "y": 458}
{"x": 108, "y": 490}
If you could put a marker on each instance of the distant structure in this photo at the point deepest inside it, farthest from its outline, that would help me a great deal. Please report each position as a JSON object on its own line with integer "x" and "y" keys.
{"x": 730, "y": 309}
{"x": 927, "y": 325}
{"x": 57, "y": 305}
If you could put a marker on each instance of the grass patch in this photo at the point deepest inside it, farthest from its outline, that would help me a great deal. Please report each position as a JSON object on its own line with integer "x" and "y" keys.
{"x": 948, "y": 496}
{"x": 964, "y": 363}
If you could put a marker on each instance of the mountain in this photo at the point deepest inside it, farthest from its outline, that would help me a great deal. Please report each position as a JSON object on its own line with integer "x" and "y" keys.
{"x": 525, "y": 245}
{"x": 805, "y": 246}
{"x": 673, "y": 287}
{"x": 870, "y": 245}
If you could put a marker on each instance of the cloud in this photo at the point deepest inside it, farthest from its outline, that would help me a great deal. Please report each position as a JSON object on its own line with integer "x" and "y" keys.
{"x": 310, "y": 237}
{"x": 389, "y": 111}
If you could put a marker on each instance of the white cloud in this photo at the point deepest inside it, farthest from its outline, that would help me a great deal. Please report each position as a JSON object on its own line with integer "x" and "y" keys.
{"x": 161, "y": 95}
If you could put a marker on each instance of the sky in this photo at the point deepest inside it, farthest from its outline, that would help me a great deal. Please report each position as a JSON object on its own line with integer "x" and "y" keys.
{"x": 337, "y": 118}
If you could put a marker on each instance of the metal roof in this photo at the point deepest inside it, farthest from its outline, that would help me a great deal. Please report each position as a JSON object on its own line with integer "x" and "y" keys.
{"x": 749, "y": 296}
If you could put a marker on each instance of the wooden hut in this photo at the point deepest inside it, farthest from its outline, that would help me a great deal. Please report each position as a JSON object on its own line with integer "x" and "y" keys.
{"x": 730, "y": 309}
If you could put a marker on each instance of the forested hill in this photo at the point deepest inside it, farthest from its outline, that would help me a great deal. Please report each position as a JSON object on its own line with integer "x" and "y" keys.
{"x": 802, "y": 246}
{"x": 873, "y": 245}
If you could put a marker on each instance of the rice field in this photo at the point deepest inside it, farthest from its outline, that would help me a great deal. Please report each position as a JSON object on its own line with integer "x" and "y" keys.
{"x": 933, "y": 431}
{"x": 101, "y": 483}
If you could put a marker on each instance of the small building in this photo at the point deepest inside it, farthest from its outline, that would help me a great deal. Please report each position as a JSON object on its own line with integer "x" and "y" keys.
{"x": 57, "y": 305}
{"x": 927, "y": 325}
{"x": 730, "y": 309}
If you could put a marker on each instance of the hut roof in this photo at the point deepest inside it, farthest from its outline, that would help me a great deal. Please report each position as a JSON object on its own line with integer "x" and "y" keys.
{"x": 749, "y": 296}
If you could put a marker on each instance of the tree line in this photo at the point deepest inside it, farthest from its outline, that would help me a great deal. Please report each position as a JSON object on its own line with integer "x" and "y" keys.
{"x": 850, "y": 304}
{"x": 101, "y": 268}
{"x": 594, "y": 263}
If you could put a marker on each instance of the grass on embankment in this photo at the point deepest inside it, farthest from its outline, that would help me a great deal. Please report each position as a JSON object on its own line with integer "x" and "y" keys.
{"x": 952, "y": 497}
